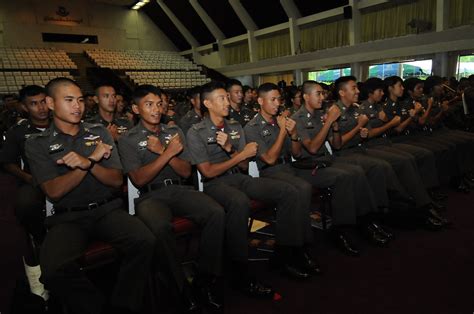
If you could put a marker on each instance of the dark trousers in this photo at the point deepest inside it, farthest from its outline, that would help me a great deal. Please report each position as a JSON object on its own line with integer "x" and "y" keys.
{"x": 234, "y": 193}
{"x": 67, "y": 238}
{"x": 157, "y": 208}
{"x": 29, "y": 210}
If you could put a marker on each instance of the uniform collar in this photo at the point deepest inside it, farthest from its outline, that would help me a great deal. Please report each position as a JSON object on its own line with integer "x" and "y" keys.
{"x": 141, "y": 128}
{"x": 211, "y": 125}
{"x": 54, "y": 131}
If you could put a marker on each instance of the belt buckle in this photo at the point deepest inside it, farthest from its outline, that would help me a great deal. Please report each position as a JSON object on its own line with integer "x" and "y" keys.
{"x": 167, "y": 182}
{"x": 92, "y": 205}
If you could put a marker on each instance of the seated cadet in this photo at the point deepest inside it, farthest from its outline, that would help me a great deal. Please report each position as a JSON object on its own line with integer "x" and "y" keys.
{"x": 156, "y": 159}
{"x": 90, "y": 106}
{"x": 379, "y": 172}
{"x": 248, "y": 100}
{"x": 218, "y": 148}
{"x": 77, "y": 167}
{"x": 30, "y": 200}
{"x": 237, "y": 111}
{"x": 194, "y": 115}
{"x": 169, "y": 116}
{"x": 404, "y": 164}
{"x": 105, "y": 97}
{"x": 277, "y": 141}
{"x": 352, "y": 200}
{"x": 380, "y": 128}
{"x": 415, "y": 128}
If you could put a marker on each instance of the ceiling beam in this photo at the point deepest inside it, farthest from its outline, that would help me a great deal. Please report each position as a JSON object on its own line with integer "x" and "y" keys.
{"x": 291, "y": 9}
{"x": 181, "y": 28}
{"x": 243, "y": 15}
{"x": 215, "y": 31}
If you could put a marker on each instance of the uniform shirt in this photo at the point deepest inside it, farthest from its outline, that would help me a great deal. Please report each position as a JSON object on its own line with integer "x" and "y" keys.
{"x": 188, "y": 120}
{"x": 243, "y": 116}
{"x": 265, "y": 134}
{"x": 307, "y": 126}
{"x": 123, "y": 124}
{"x": 202, "y": 141}
{"x": 134, "y": 153}
{"x": 372, "y": 112}
{"x": 14, "y": 148}
{"x": 402, "y": 109}
{"x": 45, "y": 148}
{"x": 348, "y": 121}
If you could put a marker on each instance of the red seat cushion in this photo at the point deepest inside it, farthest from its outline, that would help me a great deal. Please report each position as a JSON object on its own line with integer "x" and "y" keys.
{"x": 98, "y": 253}
{"x": 257, "y": 205}
{"x": 182, "y": 225}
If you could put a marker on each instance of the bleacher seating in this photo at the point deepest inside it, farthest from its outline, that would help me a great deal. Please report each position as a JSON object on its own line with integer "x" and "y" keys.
{"x": 166, "y": 69}
{"x": 27, "y": 66}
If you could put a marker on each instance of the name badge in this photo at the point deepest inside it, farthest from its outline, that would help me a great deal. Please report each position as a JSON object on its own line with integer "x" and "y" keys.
{"x": 55, "y": 148}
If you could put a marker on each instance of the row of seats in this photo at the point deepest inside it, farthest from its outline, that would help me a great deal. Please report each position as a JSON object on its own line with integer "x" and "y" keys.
{"x": 35, "y": 58}
{"x": 140, "y": 60}
{"x": 13, "y": 81}
{"x": 175, "y": 79}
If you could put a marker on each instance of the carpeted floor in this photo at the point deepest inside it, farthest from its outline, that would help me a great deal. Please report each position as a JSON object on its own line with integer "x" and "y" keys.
{"x": 421, "y": 272}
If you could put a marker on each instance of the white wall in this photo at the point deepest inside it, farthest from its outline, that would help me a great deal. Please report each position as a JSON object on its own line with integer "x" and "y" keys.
{"x": 23, "y": 21}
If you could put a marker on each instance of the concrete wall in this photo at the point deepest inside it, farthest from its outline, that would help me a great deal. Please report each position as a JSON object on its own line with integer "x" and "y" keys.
{"x": 117, "y": 27}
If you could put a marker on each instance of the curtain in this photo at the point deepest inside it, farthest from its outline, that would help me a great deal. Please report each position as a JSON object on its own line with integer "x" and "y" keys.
{"x": 392, "y": 21}
{"x": 273, "y": 46}
{"x": 275, "y": 78}
{"x": 237, "y": 53}
{"x": 329, "y": 35}
{"x": 461, "y": 12}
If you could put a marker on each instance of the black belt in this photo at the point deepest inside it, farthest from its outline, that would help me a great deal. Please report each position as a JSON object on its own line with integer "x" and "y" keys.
{"x": 228, "y": 172}
{"x": 155, "y": 186}
{"x": 90, "y": 206}
{"x": 279, "y": 161}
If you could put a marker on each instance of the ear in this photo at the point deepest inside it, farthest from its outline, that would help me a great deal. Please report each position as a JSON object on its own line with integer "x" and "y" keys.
{"x": 135, "y": 109}
{"x": 50, "y": 102}
{"x": 260, "y": 101}
{"x": 207, "y": 103}
{"x": 96, "y": 99}
{"x": 305, "y": 97}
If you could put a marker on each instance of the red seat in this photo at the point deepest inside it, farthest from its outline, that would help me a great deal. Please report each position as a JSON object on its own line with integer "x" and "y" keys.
{"x": 183, "y": 225}
{"x": 98, "y": 253}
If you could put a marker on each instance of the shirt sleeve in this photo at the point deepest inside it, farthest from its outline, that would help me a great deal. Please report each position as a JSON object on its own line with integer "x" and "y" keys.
{"x": 301, "y": 130}
{"x": 128, "y": 154}
{"x": 42, "y": 166}
{"x": 114, "y": 160}
{"x": 242, "y": 140}
{"x": 252, "y": 134}
{"x": 197, "y": 147}
{"x": 185, "y": 153}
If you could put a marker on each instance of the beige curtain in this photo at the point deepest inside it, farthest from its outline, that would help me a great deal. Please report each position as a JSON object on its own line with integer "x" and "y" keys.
{"x": 277, "y": 45}
{"x": 237, "y": 53}
{"x": 329, "y": 35}
{"x": 461, "y": 12}
{"x": 392, "y": 22}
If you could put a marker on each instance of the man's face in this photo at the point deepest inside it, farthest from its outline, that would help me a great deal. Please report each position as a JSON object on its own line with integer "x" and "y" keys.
{"x": 397, "y": 89}
{"x": 438, "y": 91}
{"x": 248, "y": 98}
{"x": 106, "y": 98}
{"x": 350, "y": 92}
{"x": 418, "y": 90}
{"x": 377, "y": 95}
{"x": 36, "y": 107}
{"x": 196, "y": 102}
{"x": 10, "y": 103}
{"x": 235, "y": 94}
{"x": 315, "y": 97}
{"x": 67, "y": 103}
{"x": 297, "y": 100}
{"x": 269, "y": 102}
{"x": 89, "y": 102}
{"x": 217, "y": 103}
{"x": 120, "y": 103}
{"x": 149, "y": 108}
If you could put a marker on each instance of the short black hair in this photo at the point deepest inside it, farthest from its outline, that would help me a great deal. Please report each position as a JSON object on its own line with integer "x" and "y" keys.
{"x": 51, "y": 86}
{"x": 340, "y": 83}
{"x": 391, "y": 81}
{"x": 207, "y": 89}
{"x": 143, "y": 90}
{"x": 103, "y": 84}
{"x": 232, "y": 82}
{"x": 411, "y": 82}
{"x": 372, "y": 84}
{"x": 307, "y": 86}
{"x": 195, "y": 91}
{"x": 29, "y": 91}
{"x": 431, "y": 82}
{"x": 14, "y": 96}
{"x": 246, "y": 88}
{"x": 266, "y": 87}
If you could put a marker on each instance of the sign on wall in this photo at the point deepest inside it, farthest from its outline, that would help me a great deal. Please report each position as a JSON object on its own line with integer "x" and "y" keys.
{"x": 65, "y": 13}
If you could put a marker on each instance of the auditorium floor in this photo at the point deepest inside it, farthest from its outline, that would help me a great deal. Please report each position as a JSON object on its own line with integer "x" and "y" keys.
{"x": 421, "y": 272}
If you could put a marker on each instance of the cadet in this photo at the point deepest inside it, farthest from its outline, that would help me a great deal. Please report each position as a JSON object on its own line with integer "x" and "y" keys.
{"x": 352, "y": 200}
{"x": 218, "y": 149}
{"x": 78, "y": 168}
{"x": 156, "y": 159}
{"x": 237, "y": 111}
{"x": 194, "y": 115}
{"x": 352, "y": 127}
{"x": 107, "y": 105}
{"x": 30, "y": 200}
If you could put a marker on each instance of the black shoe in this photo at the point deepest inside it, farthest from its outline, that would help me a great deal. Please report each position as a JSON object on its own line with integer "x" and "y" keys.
{"x": 463, "y": 188}
{"x": 438, "y": 196}
{"x": 376, "y": 238}
{"x": 252, "y": 288}
{"x": 343, "y": 243}
{"x": 431, "y": 224}
{"x": 435, "y": 214}
{"x": 310, "y": 264}
{"x": 209, "y": 295}
{"x": 289, "y": 267}
{"x": 438, "y": 207}
{"x": 189, "y": 301}
{"x": 383, "y": 231}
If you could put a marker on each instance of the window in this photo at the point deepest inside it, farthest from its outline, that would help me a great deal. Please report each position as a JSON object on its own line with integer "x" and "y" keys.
{"x": 465, "y": 66}
{"x": 420, "y": 69}
{"x": 328, "y": 76}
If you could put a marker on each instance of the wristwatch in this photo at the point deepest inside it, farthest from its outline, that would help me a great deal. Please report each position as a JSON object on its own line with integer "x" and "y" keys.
{"x": 93, "y": 162}
{"x": 297, "y": 139}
